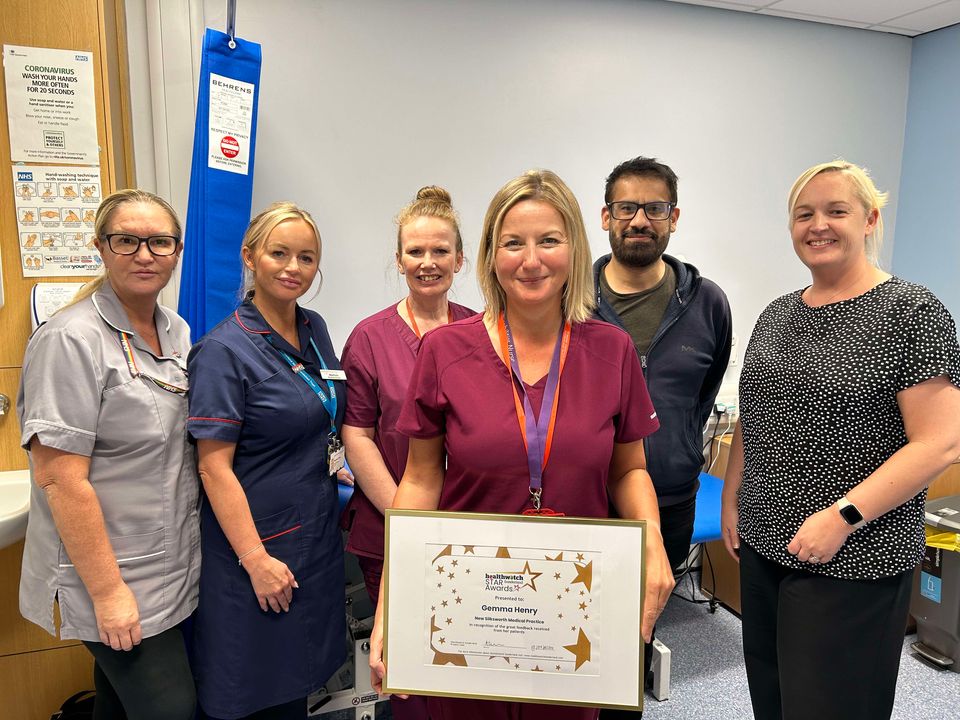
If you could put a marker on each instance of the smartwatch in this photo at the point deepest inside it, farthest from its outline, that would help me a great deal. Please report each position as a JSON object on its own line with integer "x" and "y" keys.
{"x": 850, "y": 514}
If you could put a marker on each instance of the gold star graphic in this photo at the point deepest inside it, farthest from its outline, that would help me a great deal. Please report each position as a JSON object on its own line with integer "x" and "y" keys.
{"x": 516, "y": 665}
{"x": 503, "y": 552}
{"x": 556, "y": 576}
{"x": 443, "y": 641}
{"x": 580, "y": 557}
{"x": 573, "y": 627}
{"x": 566, "y": 589}
{"x": 449, "y": 621}
{"x": 582, "y": 592}
{"x": 444, "y": 603}
{"x": 536, "y": 668}
{"x": 455, "y": 563}
{"x": 560, "y": 615}
{"x": 433, "y": 608}
{"x": 439, "y": 585}
{"x": 558, "y": 668}
{"x": 440, "y": 569}
{"x": 447, "y": 551}
{"x": 442, "y": 658}
{"x": 583, "y": 606}
{"x": 454, "y": 591}
{"x": 468, "y": 549}
{"x": 580, "y": 649}
{"x": 459, "y": 599}
{"x": 532, "y": 576}
{"x": 559, "y": 597}
{"x": 558, "y": 558}
{"x": 450, "y": 576}
{"x": 584, "y": 574}
{"x": 586, "y": 617}
{"x": 467, "y": 571}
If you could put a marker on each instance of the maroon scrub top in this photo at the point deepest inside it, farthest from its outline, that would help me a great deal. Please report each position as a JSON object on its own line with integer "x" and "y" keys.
{"x": 378, "y": 358}
{"x": 462, "y": 390}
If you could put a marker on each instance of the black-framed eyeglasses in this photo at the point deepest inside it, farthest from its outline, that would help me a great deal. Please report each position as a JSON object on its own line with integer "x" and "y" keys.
{"x": 126, "y": 244}
{"x": 625, "y": 210}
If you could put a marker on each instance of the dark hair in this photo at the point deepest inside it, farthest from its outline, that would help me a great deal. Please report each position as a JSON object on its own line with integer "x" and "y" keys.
{"x": 643, "y": 167}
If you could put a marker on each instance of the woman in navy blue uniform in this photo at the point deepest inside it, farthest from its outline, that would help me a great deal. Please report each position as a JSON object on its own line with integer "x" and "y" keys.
{"x": 265, "y": 410}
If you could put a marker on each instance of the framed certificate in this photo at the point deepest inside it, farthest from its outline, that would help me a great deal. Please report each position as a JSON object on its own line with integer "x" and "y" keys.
{"x": 507, "y": 607}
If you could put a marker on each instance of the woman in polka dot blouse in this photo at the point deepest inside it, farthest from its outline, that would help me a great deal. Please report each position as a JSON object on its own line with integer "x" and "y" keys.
{"x": 850, "y": 406}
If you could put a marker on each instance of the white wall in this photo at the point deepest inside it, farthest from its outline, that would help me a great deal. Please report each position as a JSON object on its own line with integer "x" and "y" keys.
{"x": 364, "y": 101}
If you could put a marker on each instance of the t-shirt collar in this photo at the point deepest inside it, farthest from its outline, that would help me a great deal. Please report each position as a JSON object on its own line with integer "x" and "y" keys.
{"x": 110, "y": 308}
{"x": 250, "y": 320}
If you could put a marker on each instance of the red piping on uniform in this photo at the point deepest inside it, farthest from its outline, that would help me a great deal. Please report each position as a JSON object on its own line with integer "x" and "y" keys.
{"x": 282, "y": 532}
{"x": 236, "y": 314}
{"x": 226, "y": 420}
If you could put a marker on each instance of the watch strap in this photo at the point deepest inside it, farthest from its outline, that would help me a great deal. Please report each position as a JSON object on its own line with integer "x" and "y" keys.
{"x": 850, "y": 513}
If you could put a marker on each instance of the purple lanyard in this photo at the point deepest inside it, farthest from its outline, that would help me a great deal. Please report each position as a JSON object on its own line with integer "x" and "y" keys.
{"x": 536, "y": 435}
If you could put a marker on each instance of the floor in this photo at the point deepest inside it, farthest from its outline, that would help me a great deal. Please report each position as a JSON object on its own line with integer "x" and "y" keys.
{"x": 708, "y": 680}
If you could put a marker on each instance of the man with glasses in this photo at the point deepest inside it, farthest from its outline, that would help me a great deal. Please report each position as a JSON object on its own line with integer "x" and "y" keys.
{"x": 680, "y": 325}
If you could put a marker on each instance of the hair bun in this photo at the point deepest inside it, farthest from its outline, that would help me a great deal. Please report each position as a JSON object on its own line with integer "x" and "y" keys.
{"x": 434, "y": 192}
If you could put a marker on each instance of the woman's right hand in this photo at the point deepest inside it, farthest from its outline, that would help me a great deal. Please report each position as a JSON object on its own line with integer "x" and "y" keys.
{"x": 729, "y": 517}
{"x": 272, "y": 581}
{"x": 377, "y": 669}
{"x": 118, "y": 618}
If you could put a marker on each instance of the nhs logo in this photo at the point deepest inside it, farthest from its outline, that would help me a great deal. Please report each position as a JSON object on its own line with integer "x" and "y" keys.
{"x": 24, "y": 176}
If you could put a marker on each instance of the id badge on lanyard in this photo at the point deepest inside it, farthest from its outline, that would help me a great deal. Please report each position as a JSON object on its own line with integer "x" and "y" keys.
{"x": 335, "y": 450}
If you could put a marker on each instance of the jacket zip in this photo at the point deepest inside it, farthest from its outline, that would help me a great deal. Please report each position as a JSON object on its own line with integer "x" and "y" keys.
{"x": 664, "y": 328}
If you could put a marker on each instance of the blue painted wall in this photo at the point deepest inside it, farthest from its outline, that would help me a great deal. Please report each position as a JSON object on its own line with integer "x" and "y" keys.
{"x": 927, "y": 245}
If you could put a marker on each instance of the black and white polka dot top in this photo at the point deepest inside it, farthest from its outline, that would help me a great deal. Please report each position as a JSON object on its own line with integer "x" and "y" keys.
{"x": 819, "y": 414}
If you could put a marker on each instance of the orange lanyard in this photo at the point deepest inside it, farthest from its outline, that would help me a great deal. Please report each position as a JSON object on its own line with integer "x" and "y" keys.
{"x": 413, "y": 320}
{"x": 552, "y": 395}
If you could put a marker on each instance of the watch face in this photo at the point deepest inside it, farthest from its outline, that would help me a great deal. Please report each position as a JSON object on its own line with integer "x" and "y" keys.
{"x": 851, "y": 514}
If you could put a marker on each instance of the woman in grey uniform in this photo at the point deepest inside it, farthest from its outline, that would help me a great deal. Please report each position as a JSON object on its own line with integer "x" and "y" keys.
{"x": 113, "y": 535}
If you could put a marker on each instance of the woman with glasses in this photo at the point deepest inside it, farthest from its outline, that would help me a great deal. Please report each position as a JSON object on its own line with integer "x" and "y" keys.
{"x": 535, "y": 348}
{"x": 113, "y": 535}
{"x": 266, "y": 416}
{"x": 849, "y": 406}
{"x": 378, "y": 359}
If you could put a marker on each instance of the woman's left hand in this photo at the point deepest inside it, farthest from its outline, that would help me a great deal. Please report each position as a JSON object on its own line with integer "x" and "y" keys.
{"x": 820, "y": 537}
{"x": 659, "y": 582}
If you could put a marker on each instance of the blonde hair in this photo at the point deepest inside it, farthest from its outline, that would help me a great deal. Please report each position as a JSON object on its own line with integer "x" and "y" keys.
{"x": 260, "y": 228}
{"x": 431, "y": 201}
{"x": 863, "y": 188}
{"x": 545, "y": 186}
{"x": 108, "y": 206}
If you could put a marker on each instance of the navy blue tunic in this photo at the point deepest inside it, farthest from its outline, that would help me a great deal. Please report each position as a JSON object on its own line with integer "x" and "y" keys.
{"x": 242, "y": 391}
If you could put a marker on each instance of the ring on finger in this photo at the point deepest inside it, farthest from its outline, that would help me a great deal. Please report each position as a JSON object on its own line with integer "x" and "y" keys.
{"x": 813, "y": 560}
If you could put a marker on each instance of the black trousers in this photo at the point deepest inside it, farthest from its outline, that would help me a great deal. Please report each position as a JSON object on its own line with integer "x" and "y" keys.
{"x": 820, "y": 647}
{"x": 150, "y": 682}
{"x": 676, "y": 527}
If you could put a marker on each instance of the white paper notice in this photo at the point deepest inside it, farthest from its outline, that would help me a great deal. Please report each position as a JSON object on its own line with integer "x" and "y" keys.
{"x": 47, "y": 298}
{"x": 50, "y": 105}
{"x": 231, "y": 124}
{"x": 56, "y": 207}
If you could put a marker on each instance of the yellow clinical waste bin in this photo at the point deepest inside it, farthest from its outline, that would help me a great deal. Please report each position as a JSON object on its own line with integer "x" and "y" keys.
{"x": 936, "y": 597}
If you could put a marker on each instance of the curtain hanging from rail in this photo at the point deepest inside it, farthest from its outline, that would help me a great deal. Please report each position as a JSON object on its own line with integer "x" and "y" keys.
{"x": 221, "y": 179}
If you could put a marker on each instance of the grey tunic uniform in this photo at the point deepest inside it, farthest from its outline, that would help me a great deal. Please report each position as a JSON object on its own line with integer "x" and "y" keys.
{"x": 78, "y": 394}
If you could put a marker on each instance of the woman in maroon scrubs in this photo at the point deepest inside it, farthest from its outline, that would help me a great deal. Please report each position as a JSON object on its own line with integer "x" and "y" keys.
{"x": 378, "y": 359}
{"x": 467, "y": 451}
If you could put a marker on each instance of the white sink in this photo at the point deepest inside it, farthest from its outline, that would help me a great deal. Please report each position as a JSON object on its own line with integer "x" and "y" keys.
{"x": 14, "y": 505}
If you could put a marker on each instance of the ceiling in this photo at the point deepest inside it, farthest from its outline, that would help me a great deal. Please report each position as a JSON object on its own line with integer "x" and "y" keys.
{"x": 904, "y": 17}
